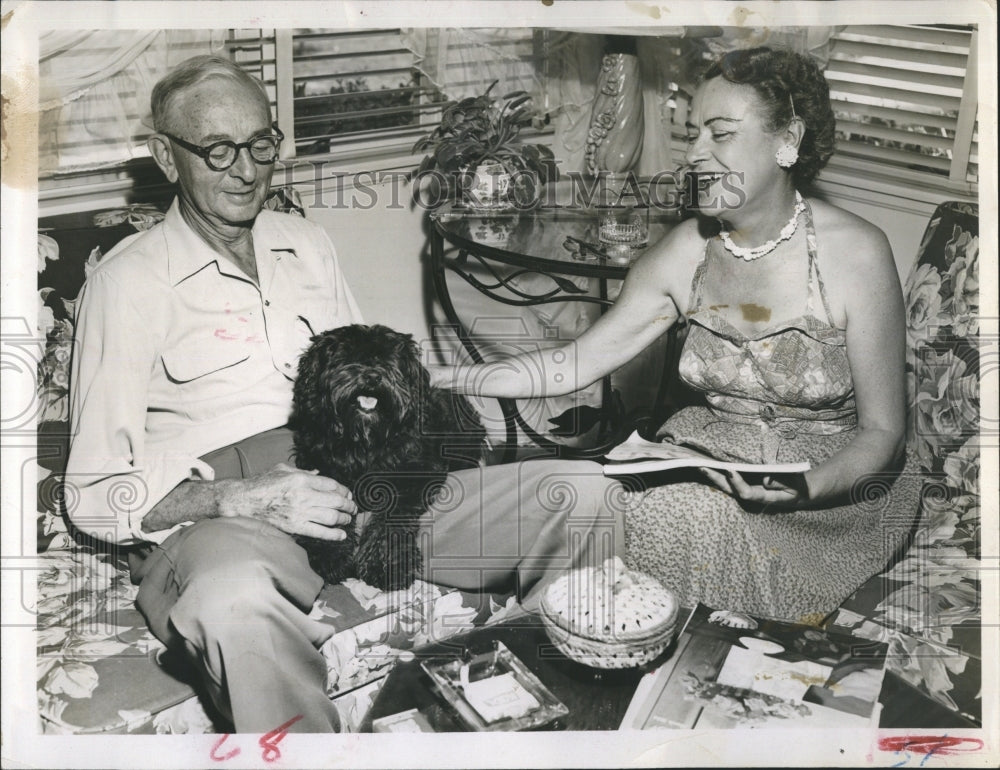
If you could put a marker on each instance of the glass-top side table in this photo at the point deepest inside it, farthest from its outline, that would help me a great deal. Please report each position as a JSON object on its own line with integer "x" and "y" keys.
{"x": 495, "y": 251}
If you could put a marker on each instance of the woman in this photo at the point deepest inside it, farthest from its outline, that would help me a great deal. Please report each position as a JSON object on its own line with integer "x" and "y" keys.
{"x": 795, "y": 339}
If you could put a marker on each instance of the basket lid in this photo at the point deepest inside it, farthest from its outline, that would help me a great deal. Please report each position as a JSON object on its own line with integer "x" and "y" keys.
{"x": 610, "y": 603}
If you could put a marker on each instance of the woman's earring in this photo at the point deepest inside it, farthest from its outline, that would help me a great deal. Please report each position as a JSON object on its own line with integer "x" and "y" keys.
{"x": 787, "y": 155}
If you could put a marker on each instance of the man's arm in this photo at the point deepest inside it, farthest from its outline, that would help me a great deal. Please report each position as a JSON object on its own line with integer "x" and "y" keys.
{"x": 112, "y": 482}
{"x": 125, "y": 495}
{"x": 295, "y": 501}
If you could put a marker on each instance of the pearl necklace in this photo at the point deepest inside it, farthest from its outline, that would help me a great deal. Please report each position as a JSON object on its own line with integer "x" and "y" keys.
{"x": 757, "y": 252}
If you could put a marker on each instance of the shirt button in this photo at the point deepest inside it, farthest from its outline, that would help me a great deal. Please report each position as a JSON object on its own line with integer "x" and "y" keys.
{"x": 288, "y": 366}
{"x": 267, "y": 303}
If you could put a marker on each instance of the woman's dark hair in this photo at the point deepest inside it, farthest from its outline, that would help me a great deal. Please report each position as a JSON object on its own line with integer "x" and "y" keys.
{"x": 782, "y": 78}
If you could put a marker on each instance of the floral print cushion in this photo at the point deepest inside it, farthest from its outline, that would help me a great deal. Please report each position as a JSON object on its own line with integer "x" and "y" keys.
{"x": 927, "y": 606}
{"x": 100, "y": 670}
{"x": 97, "y": 669}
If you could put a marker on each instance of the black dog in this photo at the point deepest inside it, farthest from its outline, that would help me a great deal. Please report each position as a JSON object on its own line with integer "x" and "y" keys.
{"x": 364, "y": 413}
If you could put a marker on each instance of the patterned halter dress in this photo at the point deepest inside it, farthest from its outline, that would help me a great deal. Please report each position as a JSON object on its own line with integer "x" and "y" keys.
{"x": 784, "y": 394}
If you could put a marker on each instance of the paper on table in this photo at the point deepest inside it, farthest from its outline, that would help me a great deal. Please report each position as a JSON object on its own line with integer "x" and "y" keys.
{"x": 499, "y": 697}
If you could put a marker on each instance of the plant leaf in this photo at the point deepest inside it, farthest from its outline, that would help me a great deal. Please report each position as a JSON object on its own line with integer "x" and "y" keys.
{"x": 513, "y": 103}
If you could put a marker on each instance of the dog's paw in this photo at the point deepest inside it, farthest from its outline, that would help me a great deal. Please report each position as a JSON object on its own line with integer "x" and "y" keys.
{"x": 387, "y": 577}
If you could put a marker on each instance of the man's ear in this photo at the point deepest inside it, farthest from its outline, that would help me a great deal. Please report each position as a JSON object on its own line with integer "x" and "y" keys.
{"x": 794, "y": 132}
{"x": 163, "y": 154}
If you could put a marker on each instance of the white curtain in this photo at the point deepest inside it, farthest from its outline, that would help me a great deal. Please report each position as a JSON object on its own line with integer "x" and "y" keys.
{"x": 464, "y": 61}
{"x": 94, "y": 89}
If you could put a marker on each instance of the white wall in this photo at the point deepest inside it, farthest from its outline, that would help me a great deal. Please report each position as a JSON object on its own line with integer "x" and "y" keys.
{"x": 380, "y": 250}
{"x": 902, "y": 212}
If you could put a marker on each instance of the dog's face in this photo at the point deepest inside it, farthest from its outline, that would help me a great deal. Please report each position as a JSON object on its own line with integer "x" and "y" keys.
{"x": 367, "y": 381}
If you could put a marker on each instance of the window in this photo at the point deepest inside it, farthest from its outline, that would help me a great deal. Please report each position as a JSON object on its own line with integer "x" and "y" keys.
{"x": 333, "y": 89}
{"x": 94, "y": 88}
{"x": 905, "y": 99}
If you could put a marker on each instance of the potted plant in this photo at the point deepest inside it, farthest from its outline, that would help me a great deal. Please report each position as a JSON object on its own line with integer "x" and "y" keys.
{"x": 474, "y": 155}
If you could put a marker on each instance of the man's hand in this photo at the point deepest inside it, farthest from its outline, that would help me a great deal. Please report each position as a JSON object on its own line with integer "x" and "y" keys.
{"x": 295, "y": 501}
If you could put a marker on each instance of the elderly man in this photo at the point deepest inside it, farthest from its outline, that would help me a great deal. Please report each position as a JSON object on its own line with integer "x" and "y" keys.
{"x": 187, "y": 344}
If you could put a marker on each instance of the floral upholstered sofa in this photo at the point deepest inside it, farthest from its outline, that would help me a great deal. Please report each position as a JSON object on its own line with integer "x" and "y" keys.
{"x": 928, "y": 604}
{"x": 99, "y": 668}
{"x": 101, "y": 671}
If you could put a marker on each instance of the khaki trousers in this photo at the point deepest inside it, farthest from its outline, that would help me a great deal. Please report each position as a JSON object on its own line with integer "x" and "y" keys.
{"x": 234, "y": 593}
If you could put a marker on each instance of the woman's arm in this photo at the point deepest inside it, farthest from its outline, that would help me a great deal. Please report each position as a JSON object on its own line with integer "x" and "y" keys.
{"x": 644, "y": 310}
{"x": 876, "y": 340}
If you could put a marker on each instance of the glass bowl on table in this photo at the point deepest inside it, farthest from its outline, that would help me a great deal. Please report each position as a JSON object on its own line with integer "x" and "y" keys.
{"x": 609, "y": 617}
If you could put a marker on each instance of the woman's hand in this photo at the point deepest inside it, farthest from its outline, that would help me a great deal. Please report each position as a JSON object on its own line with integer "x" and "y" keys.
{"x": 775, "y": 491}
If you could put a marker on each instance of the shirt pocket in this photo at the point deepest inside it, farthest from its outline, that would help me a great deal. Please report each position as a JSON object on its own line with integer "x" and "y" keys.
{"x": 199, "y": 363}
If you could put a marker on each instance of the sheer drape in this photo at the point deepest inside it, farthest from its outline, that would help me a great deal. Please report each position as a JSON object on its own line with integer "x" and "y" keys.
{"x": 94, "y": 89}
{"x": 464, "y": 61}
{"x": 95, "y": 85}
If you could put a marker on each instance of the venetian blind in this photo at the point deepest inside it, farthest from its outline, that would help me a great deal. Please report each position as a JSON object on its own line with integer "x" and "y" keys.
{"x": 905, "y": 98}
{"x": 333, "y": 89}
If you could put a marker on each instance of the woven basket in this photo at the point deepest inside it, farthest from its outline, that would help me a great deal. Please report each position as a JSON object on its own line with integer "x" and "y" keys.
{"x": 609, "y": 617}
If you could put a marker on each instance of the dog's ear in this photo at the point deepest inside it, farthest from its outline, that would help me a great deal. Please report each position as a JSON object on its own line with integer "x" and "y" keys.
{"x": 313, "y": 420}
{"x": 305, "y": 384}
{"x": 408, "y": 353}
{"x": 327, "y": 342}
{"x": 403, "y": 344}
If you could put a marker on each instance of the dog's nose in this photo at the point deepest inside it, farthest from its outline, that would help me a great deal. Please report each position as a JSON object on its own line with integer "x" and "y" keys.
{"x": 371, "y": 379}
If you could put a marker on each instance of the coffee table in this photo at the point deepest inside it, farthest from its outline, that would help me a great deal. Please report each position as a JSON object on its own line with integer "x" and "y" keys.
{"x": 597, "y": 700}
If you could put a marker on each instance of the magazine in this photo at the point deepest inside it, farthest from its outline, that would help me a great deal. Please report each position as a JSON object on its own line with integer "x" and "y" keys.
{"x": 637, "y": 455}
{"x": 732, "y": 670}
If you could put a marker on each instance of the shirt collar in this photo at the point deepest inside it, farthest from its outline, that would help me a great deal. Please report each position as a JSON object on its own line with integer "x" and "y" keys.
{"x": 188, "y": 254}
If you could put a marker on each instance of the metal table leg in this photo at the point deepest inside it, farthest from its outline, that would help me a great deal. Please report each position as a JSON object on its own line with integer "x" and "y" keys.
{"x": 508, "y": 407}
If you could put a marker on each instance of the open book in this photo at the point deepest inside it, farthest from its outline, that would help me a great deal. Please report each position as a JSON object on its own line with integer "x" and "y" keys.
{"x": 731, "y": 670}
{"x": 637, "y": 455}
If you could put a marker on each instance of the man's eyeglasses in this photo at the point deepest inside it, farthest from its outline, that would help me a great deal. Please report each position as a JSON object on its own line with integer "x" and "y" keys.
{"x": 219, "y": 156}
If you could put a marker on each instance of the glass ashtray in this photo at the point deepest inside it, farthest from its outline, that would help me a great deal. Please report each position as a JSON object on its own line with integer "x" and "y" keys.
{"x": 493, "y": 691}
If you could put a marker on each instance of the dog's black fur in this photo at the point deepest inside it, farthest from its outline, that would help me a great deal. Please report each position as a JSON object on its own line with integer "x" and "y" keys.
{"x": 364, "y": 413}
